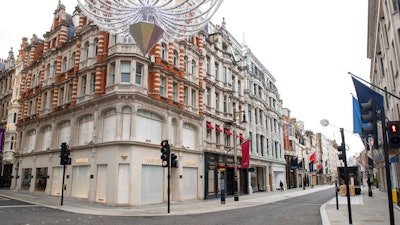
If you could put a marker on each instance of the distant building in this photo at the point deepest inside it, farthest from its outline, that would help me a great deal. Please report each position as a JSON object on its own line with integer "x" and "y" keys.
{"x": 8, "y": 116}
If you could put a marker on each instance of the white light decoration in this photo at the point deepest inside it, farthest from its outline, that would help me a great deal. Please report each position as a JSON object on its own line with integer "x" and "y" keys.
{"x": 178, "y": 19}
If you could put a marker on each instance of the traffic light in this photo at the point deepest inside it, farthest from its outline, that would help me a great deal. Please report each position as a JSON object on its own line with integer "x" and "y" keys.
{"x": 393, "y": 131}
{"x": 368, "y": 115}
{"x": 174, "y": 161}
{"x": 64, "y": 155}
{"x": 165, "y": 153}
{"x": 342, "y": 152}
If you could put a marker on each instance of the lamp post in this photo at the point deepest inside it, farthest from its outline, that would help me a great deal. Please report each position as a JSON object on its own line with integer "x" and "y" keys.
{"x": 235, "y": 178}
{"x": 325, "y": 123}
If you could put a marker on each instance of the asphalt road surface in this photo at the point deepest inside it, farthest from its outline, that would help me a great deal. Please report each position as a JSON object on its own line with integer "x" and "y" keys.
{"x": 295, "y": 211}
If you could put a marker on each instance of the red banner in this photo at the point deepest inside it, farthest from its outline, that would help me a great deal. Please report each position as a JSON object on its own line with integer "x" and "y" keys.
{"x": 246, "y": 154}
{"x": 313, "y": 157}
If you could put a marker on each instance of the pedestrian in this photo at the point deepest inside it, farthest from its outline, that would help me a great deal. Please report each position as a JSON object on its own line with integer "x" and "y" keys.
{"x": 281, "y": 184}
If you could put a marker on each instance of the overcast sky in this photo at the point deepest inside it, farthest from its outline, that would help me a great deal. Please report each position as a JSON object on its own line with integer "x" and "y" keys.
{"x": 309, "y": 46}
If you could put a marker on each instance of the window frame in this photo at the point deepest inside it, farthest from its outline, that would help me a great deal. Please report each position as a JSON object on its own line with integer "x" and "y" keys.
{"x": 125, "y": 76}
{"x": 139, "y": 74}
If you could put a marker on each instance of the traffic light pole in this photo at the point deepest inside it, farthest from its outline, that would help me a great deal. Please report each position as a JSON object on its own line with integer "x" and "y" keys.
{"x": 169, "y": 181}
{"x": 166, "y": 162}
{"x": 62, "y": 187}
{"x": 386, "y": 155}
{"x": 346, "y": 177}
{"x": 64, "y": 160}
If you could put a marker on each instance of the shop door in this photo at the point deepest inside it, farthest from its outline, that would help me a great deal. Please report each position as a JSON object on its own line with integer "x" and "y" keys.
{"x": 80, "y": 181}
{"x": 244, "y": 181}
{"x": 26, "y": 178}
{"x": 56, "y": 181}
{"x": 101, "y": 183}
{"x": 260, "y": 179}
{"x": 189, "y": 183}
{"x": 41, "y": 179}
{"x": 230, "y": 181}
{"x": 123, "y": 183}
{"x": 153, "y": 184}
{"x": 7, "y": 175}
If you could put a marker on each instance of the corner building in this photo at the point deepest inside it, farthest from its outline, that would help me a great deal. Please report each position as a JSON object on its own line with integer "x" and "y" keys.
{"x": 113, "y": 107}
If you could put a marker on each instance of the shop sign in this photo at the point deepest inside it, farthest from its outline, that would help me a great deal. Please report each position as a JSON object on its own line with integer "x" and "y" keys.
{"x": 190, "y": 163}
{"x": 81, "y": 160}
{"x": 153, "y": 160}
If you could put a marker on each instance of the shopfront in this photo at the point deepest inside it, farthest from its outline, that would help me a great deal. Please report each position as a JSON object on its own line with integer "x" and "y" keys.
{"x": 213, "y": 164}
{"x": 257, "y": 178}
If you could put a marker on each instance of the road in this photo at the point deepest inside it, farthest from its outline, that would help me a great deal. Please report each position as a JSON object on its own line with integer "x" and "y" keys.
{"x": 294, "y": 211}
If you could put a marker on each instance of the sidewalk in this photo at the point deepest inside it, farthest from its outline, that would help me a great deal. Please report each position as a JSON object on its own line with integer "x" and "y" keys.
{"x": 365, "y": 210}
{"x": 176, "y": 208}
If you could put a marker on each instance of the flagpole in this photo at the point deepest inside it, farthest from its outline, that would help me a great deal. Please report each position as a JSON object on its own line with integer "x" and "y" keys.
{"x": 386, "y": 92}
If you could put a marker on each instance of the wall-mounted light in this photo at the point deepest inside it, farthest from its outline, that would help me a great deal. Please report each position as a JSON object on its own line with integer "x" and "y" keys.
{"x": 124, "y": 156}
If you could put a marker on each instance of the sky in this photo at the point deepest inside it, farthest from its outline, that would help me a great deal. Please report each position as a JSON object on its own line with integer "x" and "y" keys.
{"x": 308, "y": 46}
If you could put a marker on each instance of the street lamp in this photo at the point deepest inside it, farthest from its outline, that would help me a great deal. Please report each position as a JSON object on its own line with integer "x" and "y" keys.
{"x": 325, "y": 123}
{"x": 236, "y": 194}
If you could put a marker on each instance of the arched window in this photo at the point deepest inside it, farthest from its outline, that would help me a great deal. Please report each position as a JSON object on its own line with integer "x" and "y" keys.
{"x": 47, "y": 73}
{"x": 33, "y": 81}
{"x": 126, "y": 122}
{"x": 189, "y": 136}
{"x": 64, "y": 64}
{"x": 127, "y": 39}
{"x": 176, "y": 59}
{"x": 148, "y": 127}
{"x": 208, "y": 65}
{"x": 72, "y": 61}
{"x": 64, "y": 132}
{"x": 239, "y": 87}
{"x": 86, "y": 51}
{"x": 109, "y": 125}
{"x": 54, "y": 71}
{"x": 86, "y": 124}
{"x": 46, "y": 137}
{"x": 164, "y": 51}
{"x": 185, "y": 64}
{"x": 194, "y": 66}
{"x": 96, "y": 47}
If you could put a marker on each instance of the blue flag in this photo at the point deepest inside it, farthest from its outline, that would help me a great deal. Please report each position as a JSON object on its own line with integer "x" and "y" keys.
{"x": 365, "y": 93}
{"x": 357, "y": 124}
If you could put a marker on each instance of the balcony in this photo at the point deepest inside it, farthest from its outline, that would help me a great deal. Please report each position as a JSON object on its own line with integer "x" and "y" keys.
{"x": 8, "y": 156}
{"x": 191, "y": 78}
{"x": 191, "y": 109}
{"x": 123, "y": 49}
